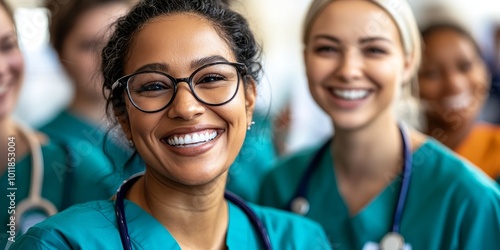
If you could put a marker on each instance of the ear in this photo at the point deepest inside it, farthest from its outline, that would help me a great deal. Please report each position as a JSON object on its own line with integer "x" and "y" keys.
{"x": 250, "y": 97}
{"x": 122, "y": 118}
{"x": 409, "y": 69}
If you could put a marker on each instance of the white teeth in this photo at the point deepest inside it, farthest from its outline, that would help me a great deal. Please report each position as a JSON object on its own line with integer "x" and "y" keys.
{"x": 191, "y": 138}
{"x": 352, "y": 94}
{"x": 187, "y": 139}
{"x": 458, "y": 102}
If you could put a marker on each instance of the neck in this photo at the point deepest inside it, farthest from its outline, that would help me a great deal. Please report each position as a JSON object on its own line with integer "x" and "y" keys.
{"x": 197, "y": 217}
{"x": 373, "y": 152}
{"x": 450, "y": 135}
{"x": 9, "y": 130}
{"x": 92, "y": 110}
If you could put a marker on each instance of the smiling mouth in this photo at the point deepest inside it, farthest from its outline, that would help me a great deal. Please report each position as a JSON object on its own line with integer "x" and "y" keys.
{"x": 350, "y": 94}
{"x": 458, "y": 102}
{"x": 191, "y": 139}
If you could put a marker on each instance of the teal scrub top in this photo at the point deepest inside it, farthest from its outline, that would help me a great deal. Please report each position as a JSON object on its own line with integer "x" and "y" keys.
{"x": 93, "y": 226}
{"x": 254, "y": 161}
{"x": 450, "y": 204}
{"x": 86, "y": 140}
{"x": 60, "y": 186}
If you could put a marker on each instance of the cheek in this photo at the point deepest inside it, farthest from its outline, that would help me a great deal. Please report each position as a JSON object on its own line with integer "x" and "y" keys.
{"x": 480, "y": 86}
{"x": 16, "y": 65}
{"x": 428, "y": 89}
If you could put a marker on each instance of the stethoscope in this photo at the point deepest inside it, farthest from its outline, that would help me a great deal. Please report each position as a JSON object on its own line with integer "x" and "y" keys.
{"x": 122, "y": 223}
{"x": 393, "y": 239}
{"x": 34, "y": 201}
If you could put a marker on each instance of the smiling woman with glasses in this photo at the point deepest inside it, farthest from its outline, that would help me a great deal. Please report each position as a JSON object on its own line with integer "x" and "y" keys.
{"x": 185, "y": 98}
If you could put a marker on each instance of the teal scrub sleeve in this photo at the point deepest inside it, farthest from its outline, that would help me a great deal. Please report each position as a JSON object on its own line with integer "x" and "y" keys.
{"x": 34, "y": 241}
{"x": 481, "y": 223}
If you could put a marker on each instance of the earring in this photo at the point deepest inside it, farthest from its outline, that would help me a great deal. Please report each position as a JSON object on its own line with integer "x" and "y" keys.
{"x": 131, "y": 143}
{"x": 250, "y": 126}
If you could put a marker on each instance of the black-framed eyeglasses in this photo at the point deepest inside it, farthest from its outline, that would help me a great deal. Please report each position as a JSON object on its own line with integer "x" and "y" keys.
{"x": 212, "y": 84}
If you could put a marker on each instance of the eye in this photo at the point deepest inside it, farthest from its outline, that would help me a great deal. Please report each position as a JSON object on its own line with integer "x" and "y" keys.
{"x": 211, "y": 78}
{"x": 430, "y": 74}
{"x": 325, "y": 50}
{"x": 373, "y": 50}
{"x": 8, "y": 45}
{"x": 152, "y": 86}
{"x": 464, "y": 66}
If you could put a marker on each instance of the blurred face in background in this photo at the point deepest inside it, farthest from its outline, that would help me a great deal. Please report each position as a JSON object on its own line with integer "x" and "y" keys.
{"x": 354, "y": 73}
{"x": 11, "y": 65}
{"x": 453, "y": 78}
{"x": 82, "y": 47}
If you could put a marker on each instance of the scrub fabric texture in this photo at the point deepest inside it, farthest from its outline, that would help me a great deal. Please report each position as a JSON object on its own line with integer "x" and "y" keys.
{"x": 93, "y": 226}
{"x": 89, "y": 144}
{"x": 450, "y": 204}
{"x": 62, "y": 185}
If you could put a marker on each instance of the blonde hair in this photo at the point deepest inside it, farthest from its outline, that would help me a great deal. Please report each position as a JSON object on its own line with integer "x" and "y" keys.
{"x": 400, "y": 11}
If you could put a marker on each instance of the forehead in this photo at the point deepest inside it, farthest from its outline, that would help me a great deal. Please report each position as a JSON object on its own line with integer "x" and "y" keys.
{"x": 176, "y": 40}
{"x": 6, "y": 25}
{"x": 448, "y": 44}
{"x": 355, "y": 19}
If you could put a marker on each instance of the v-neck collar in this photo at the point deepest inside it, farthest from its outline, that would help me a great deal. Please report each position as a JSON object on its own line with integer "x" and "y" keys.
{"x": 149, "y": 233}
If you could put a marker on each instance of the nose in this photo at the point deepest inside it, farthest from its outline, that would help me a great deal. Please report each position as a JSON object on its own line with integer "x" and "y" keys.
{"x": 350, "y": 66}
{"x": 455, "y": 83}
{"x": 185, "y": 106}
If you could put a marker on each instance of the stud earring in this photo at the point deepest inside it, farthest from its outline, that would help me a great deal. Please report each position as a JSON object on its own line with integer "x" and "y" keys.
{"x": 131, "y": 143}
{"x": 250, "y": 126}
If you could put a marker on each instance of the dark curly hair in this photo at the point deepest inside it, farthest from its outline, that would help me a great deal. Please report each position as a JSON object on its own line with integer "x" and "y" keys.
{"x": 231, "y": 26}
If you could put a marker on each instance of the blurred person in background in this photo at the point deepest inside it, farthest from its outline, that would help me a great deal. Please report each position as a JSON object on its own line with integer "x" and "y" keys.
{"x": 377, "y": 184}
{"x": 78, "y": 31}
{"x": 257, "y": 154}
{"x": 36, "y": 177}
{"x": 454, "y": 82}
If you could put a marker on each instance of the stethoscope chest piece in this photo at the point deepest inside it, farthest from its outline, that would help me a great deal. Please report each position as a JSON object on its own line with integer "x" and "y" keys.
{"x": 300, "y": 205}
{"x": 392, "y": 241}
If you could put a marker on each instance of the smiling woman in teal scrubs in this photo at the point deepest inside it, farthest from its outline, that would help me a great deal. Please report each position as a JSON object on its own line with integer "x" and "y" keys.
{"x": 377, "y": 183}
{"x": 78, "y": 31}
{"x": 181, "y": 80}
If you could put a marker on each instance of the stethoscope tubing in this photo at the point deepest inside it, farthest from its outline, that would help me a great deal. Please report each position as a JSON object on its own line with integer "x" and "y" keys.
{"x": 301, "y": 191}
{"x": 34, "y": 199}
{"x": 122, "y": 222}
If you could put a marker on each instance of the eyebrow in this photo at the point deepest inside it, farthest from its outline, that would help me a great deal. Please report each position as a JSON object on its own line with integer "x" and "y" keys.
{"x": 206, "y": 60}
{"x": 8, "y": 35}
{"x": 361, "y": 40}
{"x": 194, "y": 64}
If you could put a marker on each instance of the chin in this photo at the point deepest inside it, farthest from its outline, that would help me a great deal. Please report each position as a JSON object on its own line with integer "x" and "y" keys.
{"x": 349, "y": 122}
{"x": 199, "y": 178}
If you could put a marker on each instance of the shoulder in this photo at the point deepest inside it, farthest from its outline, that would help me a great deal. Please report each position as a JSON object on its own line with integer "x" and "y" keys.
{"x": 70, "y": 228}
{"x": 452, "y": 174}
{"x": 294, "y": 164}
{"x": 93, "y": 214}
{"x": 291, "y": 231}
{"x": 281, "y": 181}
